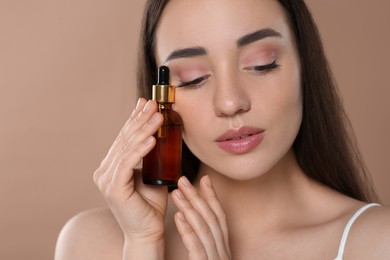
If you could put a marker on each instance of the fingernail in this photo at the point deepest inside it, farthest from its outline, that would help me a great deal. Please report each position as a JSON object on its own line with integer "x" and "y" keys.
{"x": 185, "y": 181}
{"x": 149, "y": 140}
{"x": 179, "y": 195}
{"x": 207, "y": 180}
{"x": 154, "y": 118}
{"x": 138, "y": 103}
{"x": 180, "y": 216}
{"x": 147, "y": 106}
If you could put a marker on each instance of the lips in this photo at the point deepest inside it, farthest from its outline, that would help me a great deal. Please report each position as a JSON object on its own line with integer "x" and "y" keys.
{"x": 242, "y": 140}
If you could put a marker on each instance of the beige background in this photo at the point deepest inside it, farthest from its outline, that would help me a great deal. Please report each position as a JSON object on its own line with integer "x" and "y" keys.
{"x": 67, "y": 86}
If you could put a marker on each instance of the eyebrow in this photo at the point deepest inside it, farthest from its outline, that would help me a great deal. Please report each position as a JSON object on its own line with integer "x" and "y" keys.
{"x": 186, "y": 53}
{"x": 257, "y": 35}
{"x": 242, "y": 41}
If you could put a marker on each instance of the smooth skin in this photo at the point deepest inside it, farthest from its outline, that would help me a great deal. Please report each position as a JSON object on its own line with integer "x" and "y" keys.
{"x": 255, "y": 205}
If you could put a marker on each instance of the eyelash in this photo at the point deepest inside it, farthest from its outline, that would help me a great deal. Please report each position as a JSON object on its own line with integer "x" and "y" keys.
{"x": 263, "y": 69}
{"x": 198, "y": 82}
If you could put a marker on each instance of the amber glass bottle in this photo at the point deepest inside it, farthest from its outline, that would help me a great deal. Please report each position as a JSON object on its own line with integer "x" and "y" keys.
{"x": 162, "y": 165}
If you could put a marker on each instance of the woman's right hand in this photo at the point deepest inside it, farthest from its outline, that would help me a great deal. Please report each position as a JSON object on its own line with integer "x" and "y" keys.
{"x": 139, "y": 209}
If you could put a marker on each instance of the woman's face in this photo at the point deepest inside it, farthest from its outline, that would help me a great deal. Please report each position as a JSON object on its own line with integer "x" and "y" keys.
{"x": 238, "y": 75}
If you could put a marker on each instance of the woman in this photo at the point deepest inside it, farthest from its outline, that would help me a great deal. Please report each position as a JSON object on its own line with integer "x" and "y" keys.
{"x": 274, "y": 173}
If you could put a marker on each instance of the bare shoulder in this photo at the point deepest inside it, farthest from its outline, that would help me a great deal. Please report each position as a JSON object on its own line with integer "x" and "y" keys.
{"x": 92, "y": 234}
{"x": 369, "y": 237}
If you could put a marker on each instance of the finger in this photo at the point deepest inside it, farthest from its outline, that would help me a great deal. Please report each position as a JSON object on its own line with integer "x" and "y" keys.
{"x": 210, "y": 196}
{"x": 124, "y": 161}
{"x": 138, "y": 146}
{"x": 132, "y": 123}
{"x": 131, "y": 150}
{"x": 113, "y": 192}
{"x": 106, "y": 162}
{"x": 202, "y": 220}
{"x": 127, "y": 159}
{"x": 141, "y": 103}
{"x": 212, "y": 213}
{"x": 141, "y": 114}
{"x": 190, "y": 239}
{"x": 123, "y": 166}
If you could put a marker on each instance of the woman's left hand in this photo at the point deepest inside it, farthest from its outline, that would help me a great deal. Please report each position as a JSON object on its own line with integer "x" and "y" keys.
{"x": 201, "y": 221}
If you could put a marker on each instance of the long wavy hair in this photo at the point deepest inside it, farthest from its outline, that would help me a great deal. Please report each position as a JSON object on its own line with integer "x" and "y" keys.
{"x": 325, "y": 146}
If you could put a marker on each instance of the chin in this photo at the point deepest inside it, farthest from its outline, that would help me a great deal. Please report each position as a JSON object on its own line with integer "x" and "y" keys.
{"x": 241, "y": 171}
{"x": 250, "y": 167}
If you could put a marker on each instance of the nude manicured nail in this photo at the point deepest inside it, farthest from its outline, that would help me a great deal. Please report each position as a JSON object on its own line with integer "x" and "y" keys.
{"x": 147, "y": 106}
{"x": 154, "y": 118}
{"x": 179, "y": 195}
{"x": 207, "y": 181}
{"x": 180, "y": 216}
{"x": 185, "y": 181}
{"x": 149, "y": 140}
{"x": 138, "y": 104}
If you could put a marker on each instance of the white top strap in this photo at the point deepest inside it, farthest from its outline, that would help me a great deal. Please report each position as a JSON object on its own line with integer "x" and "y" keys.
{"x": 348, "y": 227}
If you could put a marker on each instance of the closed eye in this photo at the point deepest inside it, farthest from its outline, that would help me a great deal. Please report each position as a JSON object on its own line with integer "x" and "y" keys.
{"x": 263, "y": 68}
{"x": 196, "y": 83}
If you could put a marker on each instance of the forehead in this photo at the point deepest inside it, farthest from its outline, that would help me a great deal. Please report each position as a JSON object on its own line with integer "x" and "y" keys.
{"x": 215, "y": 23}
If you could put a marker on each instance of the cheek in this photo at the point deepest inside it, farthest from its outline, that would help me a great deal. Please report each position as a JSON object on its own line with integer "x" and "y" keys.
{"x": 194, "y": 114}
{"x": 294, "y": 99}
{"x": 288, "y": 107}
{"x": 290, "y": 97}
{"x": 279, "y": 103}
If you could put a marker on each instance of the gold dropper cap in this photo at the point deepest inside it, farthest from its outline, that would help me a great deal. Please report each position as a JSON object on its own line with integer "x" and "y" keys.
{"x": 163, "y": 92}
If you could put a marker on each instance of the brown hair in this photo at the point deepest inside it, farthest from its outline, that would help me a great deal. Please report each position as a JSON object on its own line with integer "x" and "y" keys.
{"x": 325, "y": 146}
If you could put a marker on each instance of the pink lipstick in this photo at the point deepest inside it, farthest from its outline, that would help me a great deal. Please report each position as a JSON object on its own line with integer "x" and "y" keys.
{"x": 242, "y": 140}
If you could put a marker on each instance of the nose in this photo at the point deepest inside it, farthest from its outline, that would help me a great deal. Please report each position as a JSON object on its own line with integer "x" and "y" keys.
{"x": 230, "y": 97}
